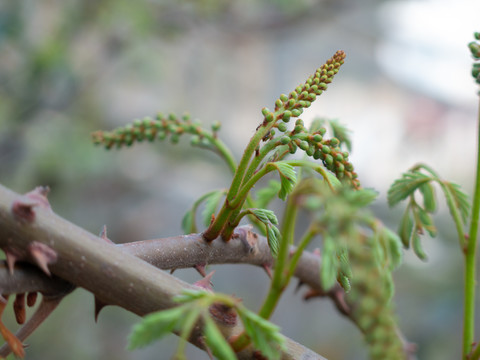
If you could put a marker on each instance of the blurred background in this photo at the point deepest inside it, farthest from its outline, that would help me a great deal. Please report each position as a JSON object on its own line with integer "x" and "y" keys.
{"x": 68, "y": 68}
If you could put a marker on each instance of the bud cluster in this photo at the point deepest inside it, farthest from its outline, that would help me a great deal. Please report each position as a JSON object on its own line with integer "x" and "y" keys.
{"x": 315, "y": 145}
{"x": 475, "y": 50}
{"x": 370, "y": 301}
{"x": 292, "y": 105}
{"x": 159, "y": 128}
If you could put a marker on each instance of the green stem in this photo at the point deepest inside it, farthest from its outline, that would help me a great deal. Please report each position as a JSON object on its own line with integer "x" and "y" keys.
{"x": 264, "y": 151}
{"x": 469, "y": 295}
{"x": 223, "y": 151}
{"x": 226, "y": 211}
{"x": 279, "y": 280}
{"x": 309, "y": 235}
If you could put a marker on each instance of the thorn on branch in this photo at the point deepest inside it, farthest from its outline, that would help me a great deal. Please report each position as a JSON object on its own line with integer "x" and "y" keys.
{"x": 201, "y": 269}
{"x": 205, "y": 282}
{"x": 11, "y": 260}
{"x": 22, "y": 208}
{"x": 42, "y": 255}
{"x": 268, "y": 269}
{"x": 103, "y": 235}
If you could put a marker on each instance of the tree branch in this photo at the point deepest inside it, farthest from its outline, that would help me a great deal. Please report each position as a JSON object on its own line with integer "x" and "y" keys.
{"x": 114, "y": 276}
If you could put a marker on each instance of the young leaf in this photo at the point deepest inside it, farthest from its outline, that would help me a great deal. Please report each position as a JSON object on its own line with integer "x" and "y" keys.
{"x": 428, "y": 193}
{"x": 427, "y": 221}
{"x": 216, "y": 342}
{"x": 189, "y": 295}
{"x": 155, "y": 326}
{"x": 405, "y": 186}
{"x": 273, "y": 238}
{"x": 265, "y": 216}
{"x": 188, "y": 223}
{"x": 211, "y": 204}
{"x": 288, "y": 178}
{"x": 460, "y": 199}
{"x": 342, "y": 133}
{"x": 328, "y": 265}
{"x": 265, "y": 335}
{"x": 394, "y": 247}
{"x": 417, "y": 246}
{"x": 361, "y": 198}
{"x": 268, "y": 193}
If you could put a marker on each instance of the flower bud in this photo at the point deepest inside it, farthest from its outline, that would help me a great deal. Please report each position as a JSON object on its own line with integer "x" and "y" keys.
{"x": 147, "y": 122}
{"x": 150, "y": 134}
{"x": 284, "y": 140}
{"x": 328, "y": 160}
{"x": 334, "y": 142}
{"x": 317, "y": 138}
{"x": 216, "y": 126}
{"x": 278, "y": 104}
{"x": 303, "y": 145}
{"x": 282, "y": 127}
{"x": 283, "y": 97}
{"x": 286, "y": 116}
{"x": 297, "y": 112}
{"x": 269, "y": 117}
{"x": 195, "y": 140}
{"x": 318, "y": 154}
{"x": 326, "y": 150}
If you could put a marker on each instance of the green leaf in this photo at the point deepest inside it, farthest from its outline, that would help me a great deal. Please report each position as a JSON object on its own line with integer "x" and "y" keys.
{"x": 428, "y": 193}
{"x": 406, "y": 228}
{"x": 417, "y": 246}
{"x": 189, "y": 295}
{"x": 328, "y": 265}
{"x": 461, "y": 200}
{"x": 316, "y": 124}
{"x": 394, "y": 247}
{"x": 155, "y": 326}
{"x": 188, "y": 222}
{"x": 268, "y": 193}
{"x": 211, "y": 204}
{"x": 265, "y": 216}
{"x": 288, "y": 178}
{"x": 342, "y": 133}
{"x": 216, "y": 341}
{"x": 426, "y": 222}
{"x": 265, "y": 335}
{"x": 332, "y": 178}
{"x": 361, "y": 198}
{"x": 405, "y": 186}
{"x": 273, "y": 238}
